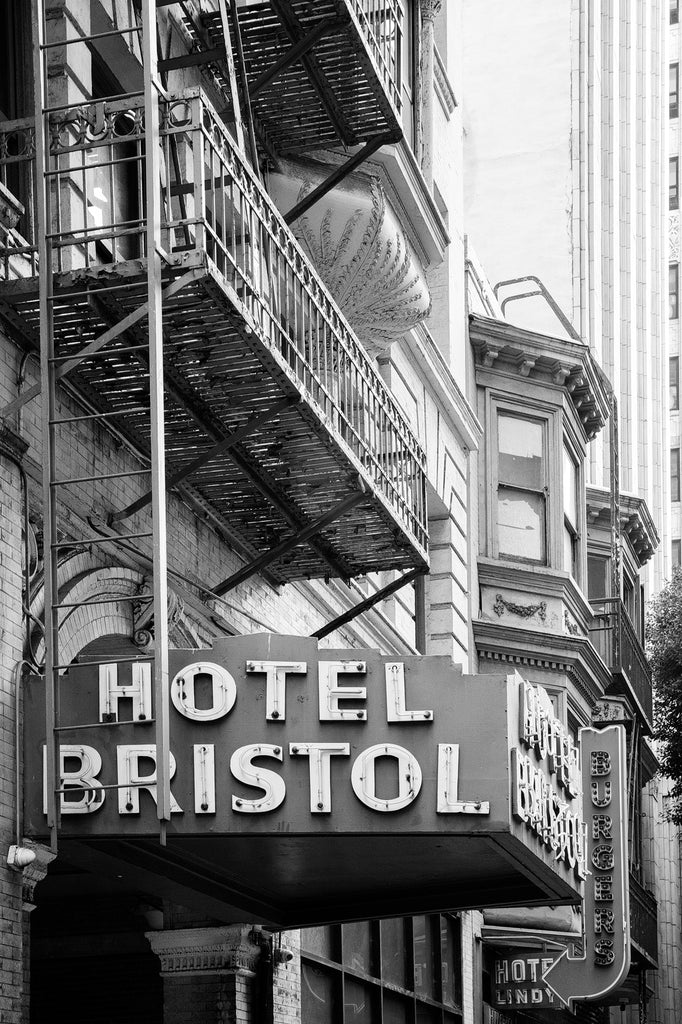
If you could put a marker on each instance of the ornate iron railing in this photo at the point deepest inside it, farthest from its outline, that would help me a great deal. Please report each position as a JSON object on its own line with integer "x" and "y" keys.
{"x": 615, "y": 639}
{"x": 213, "y": 204}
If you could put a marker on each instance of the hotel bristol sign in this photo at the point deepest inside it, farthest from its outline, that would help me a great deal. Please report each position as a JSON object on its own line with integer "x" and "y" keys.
{"x": 367, "y": 784}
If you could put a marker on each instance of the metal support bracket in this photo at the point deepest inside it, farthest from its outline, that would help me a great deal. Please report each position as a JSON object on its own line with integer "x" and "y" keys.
{"x": 298, "y": 50}
{"x": 280, "y": 549}
{"x": 369, "y": 602}
{"x": 338, "y": 175}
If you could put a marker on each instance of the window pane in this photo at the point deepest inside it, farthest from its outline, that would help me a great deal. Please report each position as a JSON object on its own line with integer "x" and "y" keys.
{"x": 356, "y": 945}
{"x": 570, "y": 489}
{"x": 397, "y": 1010}
{"x": 317, "y": 994}
{"x": 674, "y": 183}
{"x": 674, "y": 12}
{"x": 674, "y": 474}
{"x": 521, "y": 524}
{"x": 425, "y": 980}
{"x": 521, "y": 450}
{"x": 451, "y": 960}
{"x": 427, "y": 1015}
{"x": 674, "y": 382}
{"x": 394, "y": 951}
{"x": 677, "y": 552}
{"x": 357, "y": 1002}
{"x": 318, "y": 940}
{"x": 673, "y": 88}
{"x": 597, "y": 577}
{"x": 673, "y": 291}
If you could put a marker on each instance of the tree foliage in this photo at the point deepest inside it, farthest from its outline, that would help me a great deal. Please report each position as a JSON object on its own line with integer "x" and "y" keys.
{"x": 664, "y": 647}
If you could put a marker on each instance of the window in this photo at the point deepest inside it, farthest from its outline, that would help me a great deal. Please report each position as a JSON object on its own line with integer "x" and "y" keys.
{"x": 677, "y": 552}
{"x": 674, "y": 474}
{"x": 673, "y": 291}
{"x": 674, "y": 12}
{"x": 598, "y": 577}
{"x": 404, "y": 970}
{"x": 674, "y": 382}
{"x": 674, "y": 183}
{"x": 571, "y": 521}
{"x": 674, "y": 89}
{"x": 521, "y": 488}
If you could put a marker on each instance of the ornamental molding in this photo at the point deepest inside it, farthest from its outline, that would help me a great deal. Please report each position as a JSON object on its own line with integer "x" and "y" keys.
{"x": 442, "y": 85}
{"x": 612, "y": 710}
{"x": 507, "y": 349}
{"x": 674, "y": 236}
{"x": 536, "y": 581}
{"x": 636, "y": 521}
{"x": 525, "y": 611}
{"x": 227, "y": 950}
{"x": 430, "y": 9}
{"x": 573, "y": 656}
{"x": 358, "y": 246}
{"x": 83, "y": 579}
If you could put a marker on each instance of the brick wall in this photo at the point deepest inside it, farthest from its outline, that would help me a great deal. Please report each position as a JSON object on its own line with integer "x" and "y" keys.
{"x": 11, "y": 926}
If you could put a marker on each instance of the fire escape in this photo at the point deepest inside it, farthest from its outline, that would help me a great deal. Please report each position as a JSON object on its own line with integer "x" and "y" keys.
{"x": 187, "y": 319}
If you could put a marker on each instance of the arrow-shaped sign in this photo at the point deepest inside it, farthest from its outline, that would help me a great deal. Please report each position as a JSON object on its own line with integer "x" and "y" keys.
{"x": 605, "y": 960}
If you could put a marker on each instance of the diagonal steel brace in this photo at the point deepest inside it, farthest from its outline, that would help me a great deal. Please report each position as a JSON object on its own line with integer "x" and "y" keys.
{"x": 280, "y": 549}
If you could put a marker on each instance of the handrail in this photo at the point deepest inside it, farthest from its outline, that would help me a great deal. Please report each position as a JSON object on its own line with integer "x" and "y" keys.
{"x": 213, "y": 203}
{"x": 617, "y": 642}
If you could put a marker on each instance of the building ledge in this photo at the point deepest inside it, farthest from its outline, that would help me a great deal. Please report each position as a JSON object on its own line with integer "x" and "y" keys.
{"x": 636, "y": 520}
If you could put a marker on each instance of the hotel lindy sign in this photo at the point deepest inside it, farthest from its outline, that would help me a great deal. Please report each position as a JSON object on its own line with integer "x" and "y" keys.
{"x": 353, "y": 767}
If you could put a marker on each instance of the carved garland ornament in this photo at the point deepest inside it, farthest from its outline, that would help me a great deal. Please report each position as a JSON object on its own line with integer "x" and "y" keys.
{"x": 526, "y": 611}
{"x": 373, "y": 276}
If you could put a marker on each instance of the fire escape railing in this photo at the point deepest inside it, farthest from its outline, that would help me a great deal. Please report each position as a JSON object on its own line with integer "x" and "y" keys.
{"x": 381, "y": 23}
{"x": 213, "y": 206}
{"x": 620, "y": 648}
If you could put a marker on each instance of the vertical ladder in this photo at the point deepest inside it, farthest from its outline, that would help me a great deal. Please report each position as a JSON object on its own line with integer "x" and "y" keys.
{"x": 53, "y": 367}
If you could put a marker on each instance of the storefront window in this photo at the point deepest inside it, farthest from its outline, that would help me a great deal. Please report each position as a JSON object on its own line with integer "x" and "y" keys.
{"x": 398, "y": 971}
{"x": 521, "y": 488}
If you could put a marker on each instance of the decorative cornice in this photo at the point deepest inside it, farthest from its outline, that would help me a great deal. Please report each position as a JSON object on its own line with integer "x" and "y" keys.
{"x": 636, "y": 521}
{"x": 548, "y": 360}
{"x": 573, "y": 656}
{"x": 227, "y": 950}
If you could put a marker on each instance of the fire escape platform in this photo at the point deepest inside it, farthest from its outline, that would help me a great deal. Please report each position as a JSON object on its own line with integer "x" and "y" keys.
{"x": 222, "y": 369}
{"x": 344, "y": 88}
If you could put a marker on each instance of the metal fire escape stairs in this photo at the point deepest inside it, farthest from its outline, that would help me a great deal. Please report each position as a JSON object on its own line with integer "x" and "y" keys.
{"x": 86, "y": 320}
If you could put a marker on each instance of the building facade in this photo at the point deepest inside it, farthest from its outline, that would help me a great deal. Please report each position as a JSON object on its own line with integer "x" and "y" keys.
{"x": 266, "y": 387}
